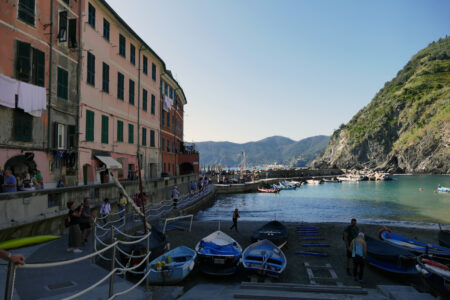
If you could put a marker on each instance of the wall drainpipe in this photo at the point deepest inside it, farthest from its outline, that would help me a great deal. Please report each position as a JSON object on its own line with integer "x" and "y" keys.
{"x": 49, "y": 107}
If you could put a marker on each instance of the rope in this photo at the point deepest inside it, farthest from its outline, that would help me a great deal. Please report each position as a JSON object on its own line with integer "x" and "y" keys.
{"x": 131, "y": 288}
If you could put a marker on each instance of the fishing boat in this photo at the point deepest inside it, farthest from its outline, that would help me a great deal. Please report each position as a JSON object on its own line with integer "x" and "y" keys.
{"x": 264, "y": 258}
{"x": 172, "y": 266}
{"x": 274, "y": 189}
{"x": 436, "y": 275}
{"x": 218, "y": 254}
{"x": 443, "y": 189}
{"x": 412, "y": 245}
{"x": 273, "y": 231}
{"x": 314, "y": 181}
{"x": 295, "y": 183}
{"x": 389, "y": 258}
{"x": 285, "y": 187}
{"x": 288, "y": 184}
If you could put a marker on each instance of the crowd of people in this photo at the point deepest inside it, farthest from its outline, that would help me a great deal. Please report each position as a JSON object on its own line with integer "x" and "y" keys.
{"x": 26, "y": 182}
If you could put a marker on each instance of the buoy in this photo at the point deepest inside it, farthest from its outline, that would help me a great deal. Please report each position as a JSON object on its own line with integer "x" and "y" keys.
{"x": 383, "y": 230}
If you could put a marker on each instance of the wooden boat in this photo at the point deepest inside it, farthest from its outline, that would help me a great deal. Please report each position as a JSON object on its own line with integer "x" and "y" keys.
{"x": 264, "y": 190}
{"x": 389, "y": 258}
{"x": 444, "y": 238}
{"x": 443, "y": 189}
{"x": 27, "y": 241}
{"x": 172, "y": 266}
{"x": 218, "y": 254}
{"x": 273, "y": 231}
{"x": 264, "y": 258}
{"x": 436, "y": 275}
{"x": 412, "y": 245}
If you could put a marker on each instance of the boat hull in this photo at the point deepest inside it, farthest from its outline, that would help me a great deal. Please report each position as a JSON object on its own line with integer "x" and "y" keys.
{"x": 413, "y": 245}
{"x": 182, "y": 263}
{"x": 440, "y": 284}
{"x": 273, "y": 231}
{"x": 264, "y": 258}
{"x": 444, "y": 238}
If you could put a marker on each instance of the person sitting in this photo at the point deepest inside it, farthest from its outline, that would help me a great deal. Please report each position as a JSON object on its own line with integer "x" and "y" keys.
{"x": 27, "y": 183}
{"x": 60, "y": 183}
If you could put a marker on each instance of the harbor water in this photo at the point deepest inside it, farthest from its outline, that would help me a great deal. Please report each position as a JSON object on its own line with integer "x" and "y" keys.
{"x": 408, "y": 200}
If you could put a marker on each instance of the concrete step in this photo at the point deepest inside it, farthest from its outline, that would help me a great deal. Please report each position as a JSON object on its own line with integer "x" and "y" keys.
{"x": 288, "y": 295}
{"x": 166, "y": 292}
{"x": 399, "y": 292}
{"x": 293, "y": 287}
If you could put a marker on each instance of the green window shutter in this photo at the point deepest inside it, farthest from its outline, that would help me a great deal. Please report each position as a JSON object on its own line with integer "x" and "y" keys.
{"x": 152, "y": 138}
{"x": 89, "y": 126}
{"x": 26, "y": 11}
{"x": 131, "y": 92}
{"x": 23, "y": 126}
{"x": 23, "y": 61}
{"x": 120, "y": 80}
{"x": 144, "y": 99}
{"x": 119, "y": 131}
{"x": 130, "y": 133}
{"x": 91, "y": 68}
{"x": 105, "y": 123}
{"x": 38, "y": 67}
{"x": 153, "y": 104}
{"x": 144, "y": 136}
{"x": 62, "y": 89}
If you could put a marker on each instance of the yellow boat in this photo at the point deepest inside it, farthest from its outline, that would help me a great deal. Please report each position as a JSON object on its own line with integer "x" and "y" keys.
{"x": 27, "y": 241}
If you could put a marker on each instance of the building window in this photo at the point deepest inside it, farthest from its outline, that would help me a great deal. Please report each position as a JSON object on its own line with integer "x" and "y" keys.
{"x": 131, "y": 92}
{"x": 175, "y": 98}
{"x": 144, "y": 99}
{"x": 152, "y": 138}
{"x": 106, "y": 29}
{"x": 23, "y": 126}
{"x": 162, "y": 145}
{"x": 132, "y": 54}
{"x": 30, "y": 64}
{"x": 73, "y": 33}
{"x": 145, "y": 64}
{"x": 91, "y": 15}
{"x": 153, "y": 72}
{"x": 144, "y": 136}
{"x": 153, "y": 104}
{"x": 105, "y": 78}
{"x": 130, "y": 133}
{"x": 71, "y": 136}
{"x": 120, "y": 85}
{"x": 121, "y": 45}
{"x": 63, "y": 83}
{"x": 105, "y": 123}
{"x": 163, "y": 114}
{"x": 91, "y": 69}
{"x": 26, "y": 11}
{"x": 119, "y": 131}
{"x": 168, "y": 119}
{"x": 168, "y": 145}
{"x": 89, "y": 126}
{"x": 62, "y": 31}
{"x": 166, "y": 88}
{"x": 170, "y": 93}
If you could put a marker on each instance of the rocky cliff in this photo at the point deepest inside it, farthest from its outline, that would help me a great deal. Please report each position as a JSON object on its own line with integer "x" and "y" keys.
{"x": 406, "y": 127}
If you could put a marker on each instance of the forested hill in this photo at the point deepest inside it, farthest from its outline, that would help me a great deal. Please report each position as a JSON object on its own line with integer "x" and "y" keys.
{"x": 276, "y": 149}
{"x": 406, "y": 127}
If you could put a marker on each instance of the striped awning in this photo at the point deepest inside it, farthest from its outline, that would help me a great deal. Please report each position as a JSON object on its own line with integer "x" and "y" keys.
{"x": 109, "y": 162}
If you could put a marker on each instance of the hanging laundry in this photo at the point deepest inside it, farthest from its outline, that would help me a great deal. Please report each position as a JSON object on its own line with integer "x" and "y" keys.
{"x": 8, "y": 91}
{"x": 168, "y": 102}
{"x": 32, "y": 98}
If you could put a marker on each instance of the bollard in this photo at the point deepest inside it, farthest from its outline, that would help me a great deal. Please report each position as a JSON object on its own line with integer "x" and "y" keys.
{"x": 10, "y": 278}
{"x": 94, "y": 241}
{"x": 113, "y": 265}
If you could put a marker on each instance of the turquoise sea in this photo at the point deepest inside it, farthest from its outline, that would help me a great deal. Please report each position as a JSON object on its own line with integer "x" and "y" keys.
{"x": 398, "y": 202}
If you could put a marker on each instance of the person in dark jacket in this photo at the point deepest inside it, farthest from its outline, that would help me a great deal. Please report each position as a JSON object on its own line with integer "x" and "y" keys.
{"x": 235, "y": 217}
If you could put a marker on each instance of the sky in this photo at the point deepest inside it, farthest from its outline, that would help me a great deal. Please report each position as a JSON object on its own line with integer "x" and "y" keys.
{"x": 251, "y": 69}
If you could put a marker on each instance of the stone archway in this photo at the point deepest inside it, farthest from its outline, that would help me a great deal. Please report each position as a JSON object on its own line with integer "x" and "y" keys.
{"x": 21, "y": 164}
{"x": 186, "y": 168}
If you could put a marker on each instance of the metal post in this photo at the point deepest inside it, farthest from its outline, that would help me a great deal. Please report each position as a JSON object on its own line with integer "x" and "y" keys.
{"x": 94, "y": 241}
{"x": 113, "y": 265}
{"x": 147, "y": 263}
{"x": 10, "y": 277}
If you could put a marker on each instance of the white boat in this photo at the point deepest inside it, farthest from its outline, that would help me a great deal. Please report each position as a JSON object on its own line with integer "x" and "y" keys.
{"x": 172, "y": 266}
{"x": 443, "y": 189}
{"x": 264, "y": 258}
{"x": 350, "y": 177}
{"x": 314, "y": 181}
{"x": 218, "y": 254}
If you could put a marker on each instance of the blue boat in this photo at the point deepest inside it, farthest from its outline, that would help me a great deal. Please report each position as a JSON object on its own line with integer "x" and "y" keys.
{"x": 390, "y": 258}
{"x": 413, "y": 245}
{"x": 218, "y": 254}
{"x": 264, "y": 258}
{"x": 172, "y": 266}
{"x": 443, "y": 189}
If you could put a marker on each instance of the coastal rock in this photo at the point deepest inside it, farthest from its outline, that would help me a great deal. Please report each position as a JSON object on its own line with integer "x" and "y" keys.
{"x": 406, "y": 127}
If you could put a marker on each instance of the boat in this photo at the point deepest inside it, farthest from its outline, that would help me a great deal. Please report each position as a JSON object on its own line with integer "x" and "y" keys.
{"x": 172, "y": 266}
{"x": 285, "y": 187}
{"x": 389, "y": 258}
{"x": 273, "y": 231}
{"x": 264, "y": 258}
{"x": 288, "y": 184}
{"x": 444, "y": 238}
{"x": 314, "y": 181}
{"x": 274, "y": 189}
{"x": 412, "y": 245}
{"x": 294, "y": 183}
{"x": 443, "y": 189}
{"x": 27, "y": 241}
{"x": 350, "y": 177}
{"x": 435, "y": 274}
{"x": 218, "y": 254}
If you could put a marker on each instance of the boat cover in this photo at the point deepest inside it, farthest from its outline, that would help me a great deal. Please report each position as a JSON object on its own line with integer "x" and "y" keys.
{"x": 210, "y": 248}
{"x": 273, "y": 231}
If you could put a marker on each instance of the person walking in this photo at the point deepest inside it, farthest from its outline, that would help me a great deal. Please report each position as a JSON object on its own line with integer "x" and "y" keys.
{"x": 122, "y": 204}
{"x": 235, "y": 217}
{"x": 359, "y": 253}
{"x": 350, "y": 232}
{"x": 85, "y": 221}
{"x": 105, "y": 210}
{"x": 175, "y": 196}
{"x": 74, "y": 227}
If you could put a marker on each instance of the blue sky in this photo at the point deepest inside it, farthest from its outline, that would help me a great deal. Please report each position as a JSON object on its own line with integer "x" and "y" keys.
{"x": 256, "y": 68}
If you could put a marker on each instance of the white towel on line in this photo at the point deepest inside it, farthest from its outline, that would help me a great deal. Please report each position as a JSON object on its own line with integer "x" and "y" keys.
{"x": 8, "y": 91}
{"x": 32, "y": 98}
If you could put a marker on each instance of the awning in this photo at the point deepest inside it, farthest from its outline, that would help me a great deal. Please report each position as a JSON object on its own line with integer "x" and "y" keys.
{"x": 109, "y": 162}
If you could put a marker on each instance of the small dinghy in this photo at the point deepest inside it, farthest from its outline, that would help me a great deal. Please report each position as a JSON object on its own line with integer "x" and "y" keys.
{"x": 285, "y": 187}
{"x": 412, "y": 245}
{"x": 264, "y": 190}
{"x": 172, "y": 266}
{"x": 436, "y": 275}
{"x": 218, "y": 254}
{"x": 264, "y": 258}
{"x": 443, "y": 189}
{"x": 273, "y": 231}
{"x": 390, "y": 258}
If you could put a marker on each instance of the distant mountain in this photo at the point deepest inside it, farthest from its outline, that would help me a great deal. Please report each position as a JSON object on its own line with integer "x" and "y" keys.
{"x": 406, "y": 127}
{"x": 275, "y": 149}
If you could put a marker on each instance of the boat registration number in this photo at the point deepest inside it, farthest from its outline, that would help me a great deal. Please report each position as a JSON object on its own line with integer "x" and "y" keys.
{"x": 219, "y": 261}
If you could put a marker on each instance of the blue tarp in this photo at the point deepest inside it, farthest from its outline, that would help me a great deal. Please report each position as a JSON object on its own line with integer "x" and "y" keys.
{"x": 209, "y": 248}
